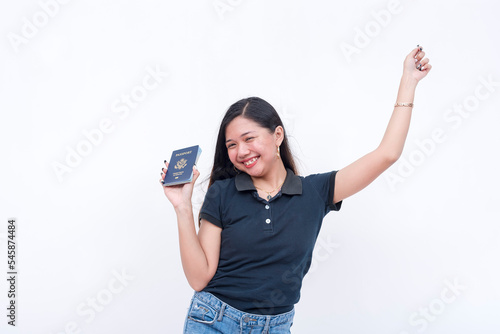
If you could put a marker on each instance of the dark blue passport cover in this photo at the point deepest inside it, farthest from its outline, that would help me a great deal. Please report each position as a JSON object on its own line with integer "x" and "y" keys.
{"x": 180, "y": 166}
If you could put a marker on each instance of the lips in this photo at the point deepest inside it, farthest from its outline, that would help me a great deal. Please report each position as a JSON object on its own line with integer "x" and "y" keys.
{"x": 250, "y": 162}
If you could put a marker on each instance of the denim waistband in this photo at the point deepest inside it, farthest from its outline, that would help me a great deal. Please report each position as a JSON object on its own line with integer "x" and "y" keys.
{"x": 243, "y": 317}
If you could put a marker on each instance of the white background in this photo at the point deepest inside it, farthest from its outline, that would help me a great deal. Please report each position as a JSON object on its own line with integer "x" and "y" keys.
{"x": 380, "y": 262}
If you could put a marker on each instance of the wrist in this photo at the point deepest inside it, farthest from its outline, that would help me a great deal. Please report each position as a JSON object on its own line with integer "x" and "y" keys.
{"x": 407, "y": 81}
{"x": 184, "y": 209}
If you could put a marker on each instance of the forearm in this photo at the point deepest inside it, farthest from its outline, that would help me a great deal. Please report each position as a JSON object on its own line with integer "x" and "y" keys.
{"x": 194, "y": 260}
{"x": 394, "y": 138}
{"x": 357, "y": 175}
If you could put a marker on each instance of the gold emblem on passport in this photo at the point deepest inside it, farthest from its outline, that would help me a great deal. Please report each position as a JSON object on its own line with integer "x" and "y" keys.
{"x": 181, "y": 164}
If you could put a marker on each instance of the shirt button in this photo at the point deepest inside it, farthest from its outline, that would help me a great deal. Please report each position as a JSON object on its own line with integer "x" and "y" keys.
{"x": 267, "y": 206}
{"x": 268, "y": 221}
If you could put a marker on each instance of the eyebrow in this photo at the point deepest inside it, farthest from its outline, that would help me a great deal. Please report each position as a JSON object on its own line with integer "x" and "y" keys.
{"x": 244, "y": 134}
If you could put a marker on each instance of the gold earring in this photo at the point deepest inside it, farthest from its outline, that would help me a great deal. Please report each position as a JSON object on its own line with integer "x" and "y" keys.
{"x": 278, "y": 152}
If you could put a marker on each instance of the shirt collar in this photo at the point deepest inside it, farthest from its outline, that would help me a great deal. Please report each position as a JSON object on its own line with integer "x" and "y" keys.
{"x": 291, "y": 186}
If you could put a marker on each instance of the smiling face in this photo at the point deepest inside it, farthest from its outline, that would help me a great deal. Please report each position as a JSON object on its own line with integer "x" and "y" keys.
{"x": 252, "y": 148}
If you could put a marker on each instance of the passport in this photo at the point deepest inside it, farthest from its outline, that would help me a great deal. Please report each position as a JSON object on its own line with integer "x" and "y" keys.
{"x": 180, "y": 166}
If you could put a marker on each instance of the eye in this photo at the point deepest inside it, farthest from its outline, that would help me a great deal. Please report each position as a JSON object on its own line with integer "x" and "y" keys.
{"x": 249, "y": 138}
{"x": 230, "y": 146}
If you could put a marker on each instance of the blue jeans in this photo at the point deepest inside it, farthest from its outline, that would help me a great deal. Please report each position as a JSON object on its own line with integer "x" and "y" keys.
{"x": 207, "y": 314}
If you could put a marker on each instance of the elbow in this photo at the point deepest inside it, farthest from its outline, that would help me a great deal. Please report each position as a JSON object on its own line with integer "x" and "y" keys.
{"x": 198, "y": 288}
{"x": 198, "y": 284}
{"x": 390, "y": 159}
{"x": 199, "y": 280}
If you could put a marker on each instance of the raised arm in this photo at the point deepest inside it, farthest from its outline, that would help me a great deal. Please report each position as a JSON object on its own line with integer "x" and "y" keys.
{"x": 356, "y": 176}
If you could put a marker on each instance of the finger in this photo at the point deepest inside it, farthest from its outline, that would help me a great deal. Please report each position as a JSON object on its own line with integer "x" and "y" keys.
{"x": 418, "y": 49}
{"x": 420, "y": 65}
{"x": 424, "y": 61}
{"x": 164, "y": 170}
{"x": 415, "y": 51}
{"x": 426, "y": 68}
{"x": 420, "y": 55}
{"x": 196, "y": 173}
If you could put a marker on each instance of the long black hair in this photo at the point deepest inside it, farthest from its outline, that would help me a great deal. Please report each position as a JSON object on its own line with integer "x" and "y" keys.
{"x": 262, "y": 113}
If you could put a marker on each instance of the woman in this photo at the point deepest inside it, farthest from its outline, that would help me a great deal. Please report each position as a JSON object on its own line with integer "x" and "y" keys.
{"x": 259, "y": 220}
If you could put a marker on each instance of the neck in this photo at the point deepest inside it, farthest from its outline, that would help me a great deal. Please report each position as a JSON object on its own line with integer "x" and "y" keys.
{"x": 272, "y": 179}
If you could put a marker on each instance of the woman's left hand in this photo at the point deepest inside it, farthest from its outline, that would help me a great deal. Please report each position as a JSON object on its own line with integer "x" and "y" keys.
{"x": 415, "y": 65}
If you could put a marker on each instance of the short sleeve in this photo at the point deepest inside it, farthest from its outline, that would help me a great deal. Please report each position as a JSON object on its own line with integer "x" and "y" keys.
{"x": 331, "y": 190}
{"x": 324, "y": 184}
{"x": 210, "y": 210}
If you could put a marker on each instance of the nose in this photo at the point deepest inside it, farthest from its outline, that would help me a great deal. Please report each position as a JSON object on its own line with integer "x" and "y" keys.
{"x": 243, "y": 151}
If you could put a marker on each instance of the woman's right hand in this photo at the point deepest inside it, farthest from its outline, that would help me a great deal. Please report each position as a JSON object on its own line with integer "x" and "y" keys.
{"x": 415, "y": 66}
{"x": 179, "y": 195}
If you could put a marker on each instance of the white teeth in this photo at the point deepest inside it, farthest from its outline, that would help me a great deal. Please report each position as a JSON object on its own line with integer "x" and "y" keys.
{"x": 249, "y": 162}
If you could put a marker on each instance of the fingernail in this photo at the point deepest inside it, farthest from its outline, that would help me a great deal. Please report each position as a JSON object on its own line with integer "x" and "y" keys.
{"x": 164, "y": 160}
{"x": 419, "y": 66}
{"x": 420, "y": 48}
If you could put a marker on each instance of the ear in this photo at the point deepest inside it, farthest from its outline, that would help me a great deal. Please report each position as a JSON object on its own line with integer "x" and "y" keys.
{"x": 279, "y": 135}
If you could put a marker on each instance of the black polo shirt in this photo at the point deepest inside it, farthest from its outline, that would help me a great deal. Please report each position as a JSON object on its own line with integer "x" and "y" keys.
{"x": 266, "y": 247}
